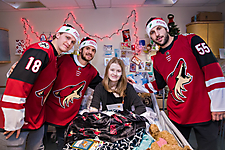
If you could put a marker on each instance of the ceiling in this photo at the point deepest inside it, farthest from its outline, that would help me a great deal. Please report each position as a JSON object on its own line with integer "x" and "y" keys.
{"x": 18, "y": 5}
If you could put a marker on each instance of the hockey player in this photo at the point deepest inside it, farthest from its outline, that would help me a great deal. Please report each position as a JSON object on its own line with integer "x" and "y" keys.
{"x": 21, "y": 108}
{"x": 75, "y": 75}
{"x": 196, "y": 83}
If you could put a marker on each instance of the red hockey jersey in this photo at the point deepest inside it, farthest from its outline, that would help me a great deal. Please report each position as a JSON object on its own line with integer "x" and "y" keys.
{"x": 73, "y": 79}
{"x": 194, "y": 78}
{"x": 27, "y": 88}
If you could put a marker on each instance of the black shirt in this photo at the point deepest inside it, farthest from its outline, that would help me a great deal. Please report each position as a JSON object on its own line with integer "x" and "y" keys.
{"x": 112, "y": 99}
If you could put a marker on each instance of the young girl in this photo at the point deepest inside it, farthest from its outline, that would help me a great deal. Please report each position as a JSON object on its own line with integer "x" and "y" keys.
{"x": 114, "y": 92}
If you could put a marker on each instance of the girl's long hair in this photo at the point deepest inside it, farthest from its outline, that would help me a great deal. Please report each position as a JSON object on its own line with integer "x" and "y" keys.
{"x": 122, "y": 83}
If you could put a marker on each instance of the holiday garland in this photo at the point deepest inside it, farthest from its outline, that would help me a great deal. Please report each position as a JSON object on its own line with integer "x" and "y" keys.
{"x": 133, "y": 13}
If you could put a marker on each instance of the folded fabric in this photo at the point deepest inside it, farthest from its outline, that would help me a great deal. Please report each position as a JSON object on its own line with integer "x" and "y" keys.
{"x": 146, "y": 142}
{"x": 124, "y": 144}
{"x": 113, "y": 127}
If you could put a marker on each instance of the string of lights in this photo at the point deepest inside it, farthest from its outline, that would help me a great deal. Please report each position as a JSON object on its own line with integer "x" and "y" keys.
{"x": 26, "y": 23}
{"x": 133, "y": 13}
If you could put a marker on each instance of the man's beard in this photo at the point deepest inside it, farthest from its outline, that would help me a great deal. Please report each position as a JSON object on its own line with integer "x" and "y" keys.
{"x": 165, "y": 41}
{"x": 82, "y": 56}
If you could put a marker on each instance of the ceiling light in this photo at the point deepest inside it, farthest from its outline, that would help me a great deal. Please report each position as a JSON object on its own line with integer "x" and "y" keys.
{"x": 174, "y": 1}
{"x": 159, "y": 2}
{"x": 24, "y": 5}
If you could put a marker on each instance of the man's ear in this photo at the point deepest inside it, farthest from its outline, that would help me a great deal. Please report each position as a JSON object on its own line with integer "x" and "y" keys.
{"x": 80, "y": 51}
{"x": 168, "y": 30}
{"x": 57, "y": 35}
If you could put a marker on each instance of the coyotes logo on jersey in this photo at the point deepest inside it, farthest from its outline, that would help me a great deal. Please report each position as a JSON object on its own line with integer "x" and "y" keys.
{"x": 180, "y": 79}
{"x": 44, "y": 45}
{"x": 43, "y": 93}
{"x": 69, "y": 93}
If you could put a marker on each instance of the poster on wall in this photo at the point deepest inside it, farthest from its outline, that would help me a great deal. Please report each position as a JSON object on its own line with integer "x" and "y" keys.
{"x": 20, "y": 47}
{"x": 148, "y": 66}
{"x": 108, "y": 50}
{"x": 117, "y": 52}
{"x": 126, "y": 35}
{"x": 136, "y": 60}
{"x": 123, "y": 53}
{"x": 142, "y": 45}
{"x": 141, "y": 66}
{"x": 106, "y": 60}
{"x": 132, "y": 67}
{"x": 125, "y": 46}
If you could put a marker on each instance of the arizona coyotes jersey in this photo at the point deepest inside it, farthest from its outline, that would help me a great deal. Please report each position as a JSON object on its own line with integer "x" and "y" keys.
{"x": 194, "y": 78}
{"x": 72, "y": 81}
{"x": 27, "y": 88}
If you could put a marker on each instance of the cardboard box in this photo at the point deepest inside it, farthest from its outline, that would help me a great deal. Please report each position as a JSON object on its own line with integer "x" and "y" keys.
{"x": 209, "y": 16}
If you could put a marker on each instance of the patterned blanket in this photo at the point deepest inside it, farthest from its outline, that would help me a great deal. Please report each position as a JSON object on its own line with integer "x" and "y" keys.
{"x": 117, "y": 129}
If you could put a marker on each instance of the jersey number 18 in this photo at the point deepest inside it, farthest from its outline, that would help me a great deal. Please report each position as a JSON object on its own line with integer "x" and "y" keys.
{"x": 33, "y": 64}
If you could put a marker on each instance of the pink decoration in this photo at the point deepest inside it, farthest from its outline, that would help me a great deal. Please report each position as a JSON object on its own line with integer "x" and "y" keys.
{"x": 161, "y": 142}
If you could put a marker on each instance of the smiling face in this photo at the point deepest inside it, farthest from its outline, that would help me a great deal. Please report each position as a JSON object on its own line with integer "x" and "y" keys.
{"x": 114, "y": 72}
{"x": 159, "y": 35}
{"x": 65, "y": 42}
{"x": 87, "y": 53}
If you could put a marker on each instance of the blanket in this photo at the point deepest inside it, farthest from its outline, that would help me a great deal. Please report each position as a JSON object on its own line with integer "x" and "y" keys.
{"x": 109, "y": 126}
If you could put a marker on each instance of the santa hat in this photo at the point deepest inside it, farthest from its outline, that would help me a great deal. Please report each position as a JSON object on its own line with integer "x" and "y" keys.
{"x": 86, "y": 41}
{"x": 70, "y": 29}
{"x": 155, "y": 22}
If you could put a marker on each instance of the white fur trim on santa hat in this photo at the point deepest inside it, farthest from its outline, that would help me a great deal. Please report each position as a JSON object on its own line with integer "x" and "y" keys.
{"x": 156, "y": 22}
{"x": 89, "y": 42}
{"x": 72, "y": 31}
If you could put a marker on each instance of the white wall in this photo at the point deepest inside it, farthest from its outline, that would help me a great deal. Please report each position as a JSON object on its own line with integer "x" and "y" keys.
{"x": 101, "y": 21}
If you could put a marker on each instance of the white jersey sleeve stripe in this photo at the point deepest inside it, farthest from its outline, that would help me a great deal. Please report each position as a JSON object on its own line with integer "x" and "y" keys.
{"x": 151, "y": 87}
{"x": 14, "y": 119}
{"x": 217, "y": 97}
{"x": 140, "y": 88}
{"x": 214, "y": 81}
{"x": 13, "y": 99}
